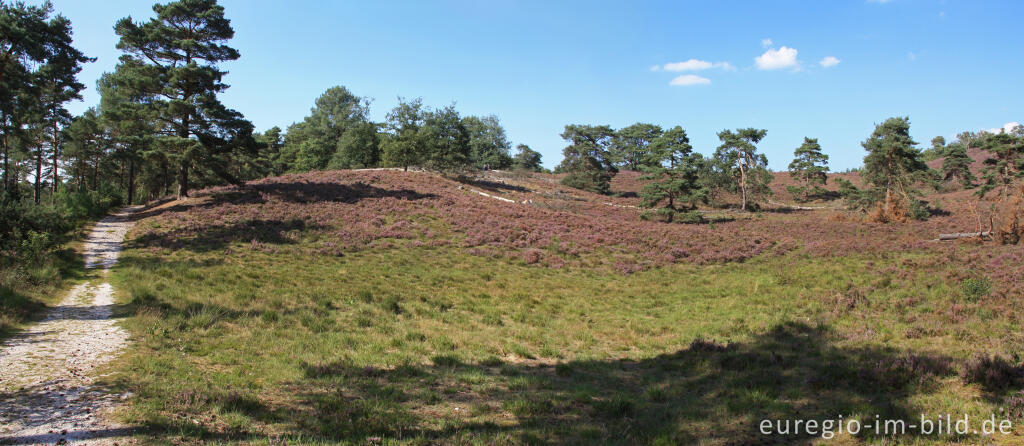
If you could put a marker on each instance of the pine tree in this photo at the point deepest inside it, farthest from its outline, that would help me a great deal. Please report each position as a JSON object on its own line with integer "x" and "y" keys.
{"x": 892, "y": 166}
{"x": 58, "y": 85}
{"x": 749, "y": 168}
{"x": 527, "y": 158}
{"x": 671, "y": 168}
{"x": 632, "y": 144}
{"x": 174, "y": 56}
{"x": 24, "y": 38}
{"x": 810, "y": 168}
{"x": 1006, "y": 163}
{"x": 587, "y": 159}
{"x": 957, "y": 165}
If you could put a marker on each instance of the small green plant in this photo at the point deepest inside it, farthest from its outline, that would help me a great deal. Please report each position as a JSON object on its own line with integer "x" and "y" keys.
{"x": 975, "y": 288}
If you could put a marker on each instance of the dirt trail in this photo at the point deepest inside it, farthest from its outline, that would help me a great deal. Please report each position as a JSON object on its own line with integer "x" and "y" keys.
{"x": 47, "y": 373}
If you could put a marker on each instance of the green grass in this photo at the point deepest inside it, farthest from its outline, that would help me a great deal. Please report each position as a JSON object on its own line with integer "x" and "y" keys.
{"x": 429, "y": 345}
{"x": 27, "y": 289}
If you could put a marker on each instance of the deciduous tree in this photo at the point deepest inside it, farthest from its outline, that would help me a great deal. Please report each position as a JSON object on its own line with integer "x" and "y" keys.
{"x": 312, "y": 143}
{"x": 403, "y": 145}
{"x": 445, "y": 139}
{"x": 488, "y": 144}
{"x": 358, "y": 148}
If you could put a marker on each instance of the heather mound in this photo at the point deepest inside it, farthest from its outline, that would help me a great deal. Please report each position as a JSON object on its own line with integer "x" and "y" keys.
{"x": 529, "y": 218}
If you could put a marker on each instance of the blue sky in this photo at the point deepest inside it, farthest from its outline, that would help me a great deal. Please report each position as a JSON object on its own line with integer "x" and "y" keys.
{"x": 948, "y": 65}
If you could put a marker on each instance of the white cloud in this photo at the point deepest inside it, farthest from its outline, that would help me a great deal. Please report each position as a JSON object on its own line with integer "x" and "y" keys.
{"x": 690, "y": 65}
{"x": 655, "y": 67}
{"x": 829, "y": 61}
{"x": 725, "y": 66}
{"x": 689, "y": 79}
{"x": 696, "y": 65}
{"x": 765, "y": 43}
{"x": 776, "y": 59}
{"x": 1009, "y": 127}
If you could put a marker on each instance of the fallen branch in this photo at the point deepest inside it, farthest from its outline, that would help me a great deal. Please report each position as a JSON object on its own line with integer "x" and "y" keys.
{"x": 959, "y": 235}
{"x": 799, "y": 208}
{"x": 507, "y": 200}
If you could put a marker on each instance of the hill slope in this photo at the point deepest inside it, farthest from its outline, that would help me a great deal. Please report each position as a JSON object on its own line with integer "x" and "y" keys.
{"x": 354, "y": 307}
{"x": 516, "y": 216}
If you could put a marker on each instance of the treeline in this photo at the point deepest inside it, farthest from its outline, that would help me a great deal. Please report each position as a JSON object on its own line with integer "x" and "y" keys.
{"x": 338, "y": 134}
{"x": 677, "y": 177}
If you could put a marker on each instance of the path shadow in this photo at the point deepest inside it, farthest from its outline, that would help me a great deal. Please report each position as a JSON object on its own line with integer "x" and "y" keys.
{"x": 707, "y": 392}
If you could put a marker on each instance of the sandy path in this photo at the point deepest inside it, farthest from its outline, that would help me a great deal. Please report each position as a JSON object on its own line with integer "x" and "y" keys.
{"x": 47, "y": 392}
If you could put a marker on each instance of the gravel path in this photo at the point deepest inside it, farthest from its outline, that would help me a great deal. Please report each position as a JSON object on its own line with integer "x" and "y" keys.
{"x": 47, "y": 373}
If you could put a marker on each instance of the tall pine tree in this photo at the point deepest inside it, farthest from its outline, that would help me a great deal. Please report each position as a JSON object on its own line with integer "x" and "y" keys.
{"x": 749, "y": 168}
{"x": 174, "y": 56}
{"x": 58, "y": 85}
{"x": 24, "y": 34}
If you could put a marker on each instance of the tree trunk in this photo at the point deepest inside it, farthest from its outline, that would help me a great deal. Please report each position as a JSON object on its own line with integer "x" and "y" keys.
{"x": 55, "y": 147}
{"x": 165, "y": 175}
{"x": 39, "y": 173}
{"x": 7, "y": 167}
{"x": 131, "y": 182}
{"x": 183, "y": 180}
{"x": 183, "y": 168}
{"x": 743, "y": 184}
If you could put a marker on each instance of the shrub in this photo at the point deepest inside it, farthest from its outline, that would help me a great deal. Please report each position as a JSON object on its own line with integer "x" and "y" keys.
{"x": 597, "y": 181}
{"x": 992, "y": 372}
{"x": 974, "y": 289}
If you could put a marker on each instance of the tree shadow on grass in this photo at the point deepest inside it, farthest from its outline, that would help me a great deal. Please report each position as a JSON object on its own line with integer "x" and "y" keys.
{"x": 707, "y": 392}
{"x": 17, "y": 307}
{"x": 288, "y": 191}
{"x": 218, "y": 236}
{"x": 311, "y": 192}
{"x": 495, "y": 186}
